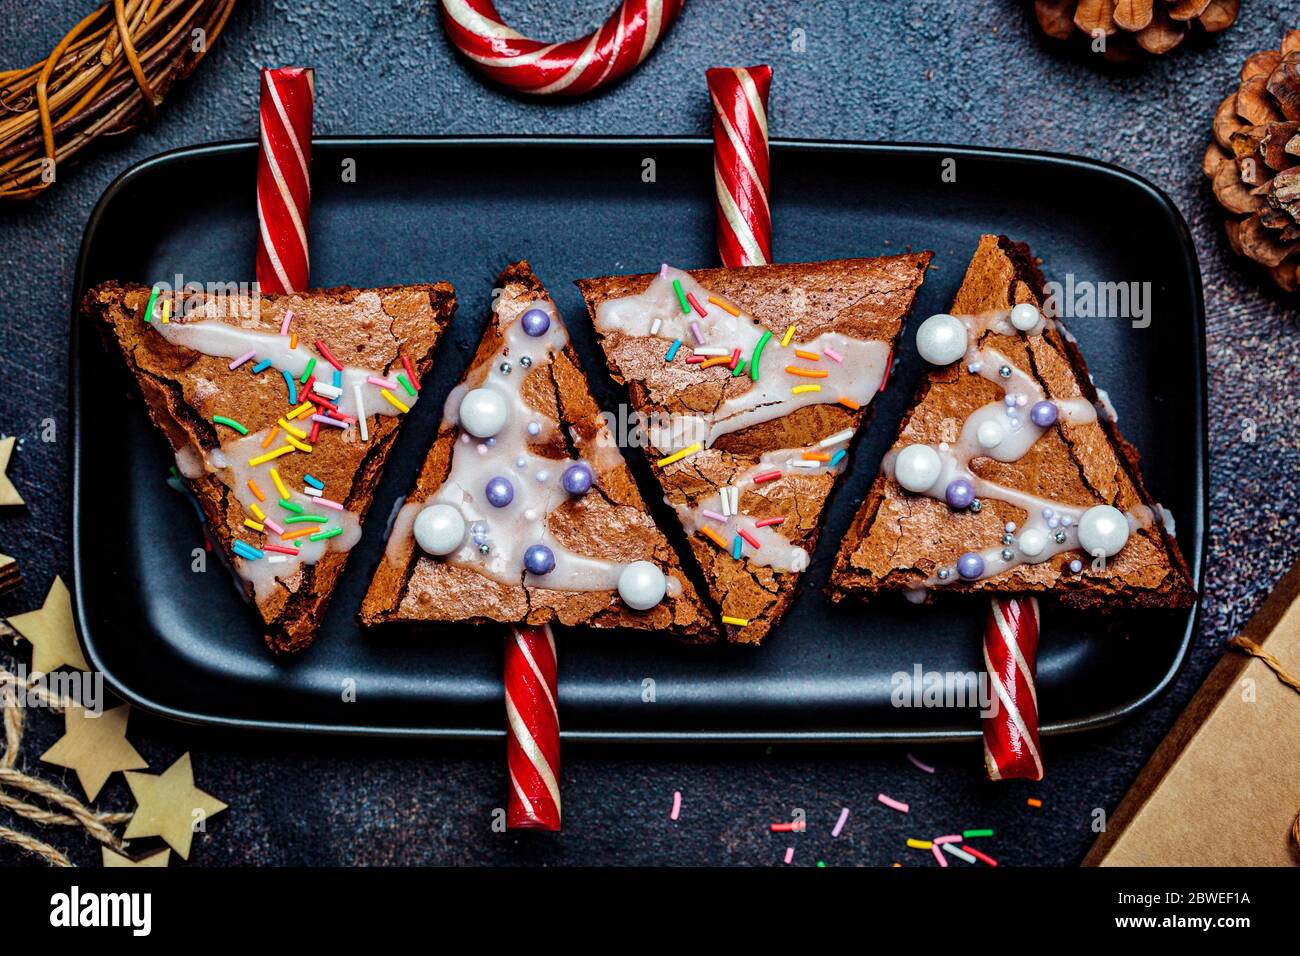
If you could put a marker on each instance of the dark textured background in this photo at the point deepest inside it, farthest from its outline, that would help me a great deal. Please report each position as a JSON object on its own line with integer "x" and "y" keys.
{"x": 956, "y": 71}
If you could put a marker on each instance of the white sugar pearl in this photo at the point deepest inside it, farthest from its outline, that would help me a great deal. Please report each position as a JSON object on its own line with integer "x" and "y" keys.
{"x": 1103, "y": 528}
{"x": 1024, "y": 316}
{"x": 917, "y": 467}
{"x": 990, "y": 434}
{"x": 439, "y": 529}
{"x": 1032, "y": 542}
{"x": 941, "y": 339}
{"x": 642, "y": 585}
{"x": 483, "y": 412}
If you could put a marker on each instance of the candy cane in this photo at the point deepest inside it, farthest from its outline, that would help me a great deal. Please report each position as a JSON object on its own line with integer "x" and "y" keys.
{"x": 284, "y": 179}
{"x": 532, "y": 729}
{"x": 740, "y": 164}
{"x": 572, "y": 68}
{"x": 1010, "y": 658}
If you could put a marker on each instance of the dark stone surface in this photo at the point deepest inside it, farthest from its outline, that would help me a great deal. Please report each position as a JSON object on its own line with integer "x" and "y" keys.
{"x": 943, "y": 71}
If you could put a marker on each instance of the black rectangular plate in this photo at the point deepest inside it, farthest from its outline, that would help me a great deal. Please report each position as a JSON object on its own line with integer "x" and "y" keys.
{"x": 185, "y": 644}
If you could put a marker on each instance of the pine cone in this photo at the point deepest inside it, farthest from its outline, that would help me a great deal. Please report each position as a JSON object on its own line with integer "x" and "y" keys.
{"x": 1254, "y": 161}
{"x": 1133, "y": 26}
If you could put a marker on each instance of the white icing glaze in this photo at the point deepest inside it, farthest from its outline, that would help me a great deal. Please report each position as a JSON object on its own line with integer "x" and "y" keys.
{"x": 1051, "y": 527}
{"x": 657, "y": 312}
{"x": 230, "y": 461}
{"x": 536, "y": 480}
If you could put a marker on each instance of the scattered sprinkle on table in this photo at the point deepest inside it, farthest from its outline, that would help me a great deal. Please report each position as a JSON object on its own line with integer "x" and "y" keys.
{"x": 938, "y": 855}
{"x": 954, "y": 850}
{"x": 1034, "y": 802}
{"x": 918, "y": 844}
{"x": 920, "y": 766}
{"x": 973, "y": 834}
{"x": 789, "y": 855}
{"x": 677, "y": 805}
{"x": 839, "y": 824}
{"x": 982, "y": 857}
{"x": 796, "y": 826}
{"x": 892, "y": 803}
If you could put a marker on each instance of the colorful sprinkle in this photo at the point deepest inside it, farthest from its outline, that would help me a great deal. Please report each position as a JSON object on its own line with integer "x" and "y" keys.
{"x": 677, "y": 805}
{"x": 724, "y": 306}
{"x": 716, "y": 360}
{"x": 389, "y": 397}
{"x": 323, "y": 349}
{"x": 889, "y": 364}
{"x": 229, "y": 423}
{"x": 380, "y": 382}
{"x": 753, "y": 542}
{"x": 300, "y": 532}
{"x": 246, "y": 551}
{"x": 322, "y": 535}
{"x": 807, "y": 372}
{"x": 837, "y": 438}
{"x": 672, "y": 350}
{"x": 736, "y": 545}
{"x": 789, "y": 334}
{"x": 735, "y": 621}
{"x": 769, "y": 522}
{"x": 406, "y": 384}
{"x": 327, "y": 503}
{"x": 269, "y": 456}
{"x": 326, "y": 420}
{"x": 953, "y": 850}
{"x": 299, "y": 519}
{"x": 923, "y": 766}
{"x": 301, "y": 410}
{"x": 713, "y": 515}
{"x": 284, "y": 323}
{"x": 767, "y": 476}
{"x": 314, "y": 492}
{"x": 281, "y": 549}
{"x": 294, "y": 443}
{"x": 739, "y": 369}
{"x": 293, "y": 430}
{"x": 261, "y": 366}
{"x": 708, "y": 350}
{"x": 681, "y": 296}
{"x": 938, "y": 855}
{"x": 313, "y": 481}
{"x": 250, "y": 523}
{"x": 839, "y": 824}
{"x": 306, "y": 373}
{"x": 696, "y": 359}
{"x": 655, "y": 326}
{"x": 293, "y": 341}
{"x": 293, "y": 506}
{"x": 982, "y": 857}
{"x": 919, "y": 844}
{"x": 410, "y": 371}
{"x": 278, "y": 529}
{"x": 258, "y": 513}
{"x": 279, "y": 485}
{"x": 789, "y": 855}
{"x": 758, "y": 353}
{"x": 831, "y": 354}
{"x": 293, "y": 389}
{"x": 1034, "y": 802}
{"x": 815, "y": 456}
{"x": 713, "y": 536}
{"x": 695, "y": 304}
{"x": 973, "y": 834}
{"x": 257, "y": 492}
{"x": 848, "y": 403}
{"x": 735, "y": 358}
{"x": 800, "y": 389}
{"x": 892, "y": 803}
{"x": 950, "y": 838}
{"x": 337, "y": 381}
{"x": 679, "y": 455}
{"x": 167, "y": 317}
{"x": 695, "y": 331}
{"x": 148, "y": 309}
{"x": 242, "y": 359}
{"x": 805, "y": 354}
{"x": 796, "y": 826}
{"x": 361, "y": 412}
{"x": 836, "y": 458}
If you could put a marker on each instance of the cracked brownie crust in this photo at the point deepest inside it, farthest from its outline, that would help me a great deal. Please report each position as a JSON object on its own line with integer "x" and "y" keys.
{"x": 609, "y": 523}
{"x": 183, "y": 389}
{"x": 899, "y": 540}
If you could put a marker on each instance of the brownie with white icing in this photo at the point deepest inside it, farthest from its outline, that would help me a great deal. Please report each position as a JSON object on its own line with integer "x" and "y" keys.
{"x": 1009, "y": 475}
{"x": 524, "y": 510}
{"x": 750, "y": 385}
{"x": 282, "y": 410}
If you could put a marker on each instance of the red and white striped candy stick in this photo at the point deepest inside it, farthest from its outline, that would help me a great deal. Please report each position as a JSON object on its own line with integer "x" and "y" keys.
{"x": 284, "y": 179}
{"x": 572, "y": 68}
{"x": 740, "y": 163}
{"x": 532, "y": 729}
{"x": 1010, "y": 658}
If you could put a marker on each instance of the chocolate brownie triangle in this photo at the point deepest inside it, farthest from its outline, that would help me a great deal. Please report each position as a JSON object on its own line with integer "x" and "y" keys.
{"x": 1009, "y": 474}
{"x": 524, "y": 511}
{"x": 750, "y": 385}
{"x": 281, "y": 410}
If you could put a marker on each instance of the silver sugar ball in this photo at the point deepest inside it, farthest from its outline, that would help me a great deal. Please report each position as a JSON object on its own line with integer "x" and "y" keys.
{"x": 1060, "y": 537}
{"x": 505, "y": 368}
{"x": 943, "y": 574}
{"x": 976, "y": 505}
{"x": 1007, "y": 554}
{"x": 1005, "y": 371}
{"x": 1008, "y": 539}
{"x": 485, "y": 548}
{"x": 525, "y": 361}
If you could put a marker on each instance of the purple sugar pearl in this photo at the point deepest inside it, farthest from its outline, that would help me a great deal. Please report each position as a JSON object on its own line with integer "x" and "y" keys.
{"x": 959, "y": 493}
{"x": 539, "y": 559}
{"x": 1043, "y": 414}
{"x": 536, "y": 322}
{"x": 577, "y": 479}
{"x": 970, "y": 566}
{"x": 500, "y": 492}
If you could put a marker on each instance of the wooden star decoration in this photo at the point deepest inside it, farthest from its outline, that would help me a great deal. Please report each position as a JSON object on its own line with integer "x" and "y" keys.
{"x": 50, "y": 631}
{"x": 95, "y": 747}
{"x": 170, "y": 806}
{"x": 8, "y": 493}
{"x": 160, "y": 858}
